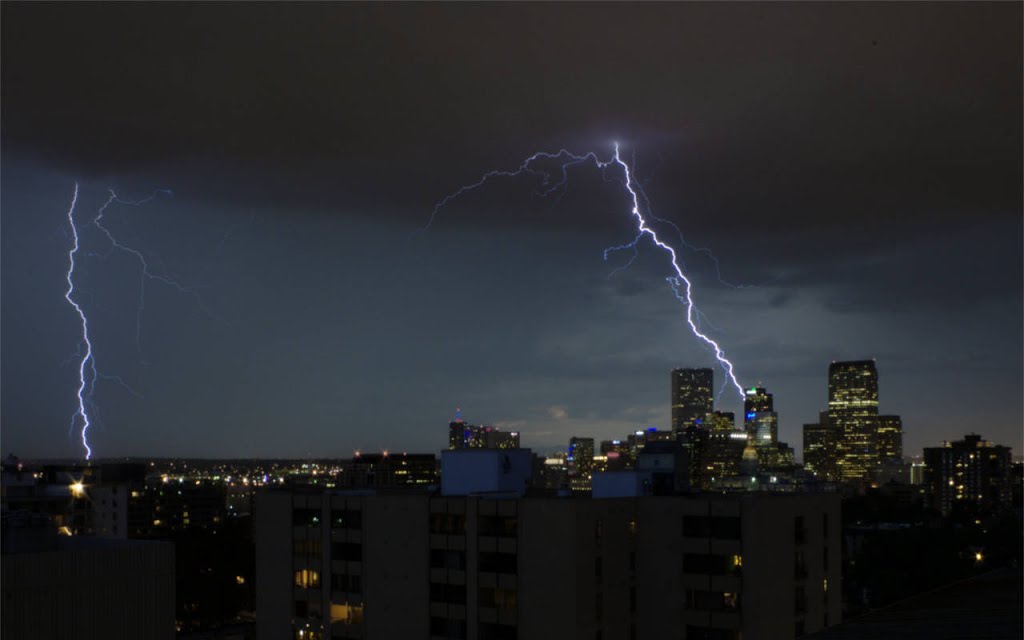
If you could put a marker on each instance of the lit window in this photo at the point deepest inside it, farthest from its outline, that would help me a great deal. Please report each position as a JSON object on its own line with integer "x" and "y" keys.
{"x": 347, "y": 613}
{"x": 307, "y": 579}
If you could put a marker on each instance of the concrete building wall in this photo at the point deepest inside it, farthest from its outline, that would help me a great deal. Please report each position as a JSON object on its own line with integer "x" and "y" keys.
{"x": 273, "y": 541}
{"x": 90, "y": 590}
{"x": 395, "y": 566}
{"x": 544, "y": 567}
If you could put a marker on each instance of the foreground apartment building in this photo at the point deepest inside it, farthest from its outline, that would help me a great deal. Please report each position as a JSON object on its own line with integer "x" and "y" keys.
{"x": 483, "y": 559}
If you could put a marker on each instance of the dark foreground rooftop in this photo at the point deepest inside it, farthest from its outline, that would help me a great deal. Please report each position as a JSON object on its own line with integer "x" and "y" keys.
{"x": 989, "y": 606}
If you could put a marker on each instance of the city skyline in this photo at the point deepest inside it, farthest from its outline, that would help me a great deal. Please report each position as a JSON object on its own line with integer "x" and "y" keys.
{"x": 326, "y": 324}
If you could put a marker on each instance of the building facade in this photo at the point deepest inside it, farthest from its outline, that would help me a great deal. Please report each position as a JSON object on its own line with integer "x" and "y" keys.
{"x": 820, "y": 453}
{"x": 426, "y": 565}
{"x": 853, "y": 413}
{"x": 692, "y": 397}
{"x": 970, "y": 474}
{"x": 890, "y": 438}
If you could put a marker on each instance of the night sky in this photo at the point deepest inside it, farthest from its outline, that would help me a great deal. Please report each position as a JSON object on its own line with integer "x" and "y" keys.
{"x": 857, "y": 165}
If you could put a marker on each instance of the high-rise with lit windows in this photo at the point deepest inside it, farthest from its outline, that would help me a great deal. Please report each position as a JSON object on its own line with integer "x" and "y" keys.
{"x": 853, "y": 413}
{"x": 692, "y": 397}
{"x": 890, "y": 438}
{"x": 968, "y": 475}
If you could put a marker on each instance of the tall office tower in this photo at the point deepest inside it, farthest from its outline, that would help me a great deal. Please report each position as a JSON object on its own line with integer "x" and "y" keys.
{"x": 890, "y": 438}
{"x": 853, "y": 412}
{"x": 757, "y": 400}
{"x": 721, "y": 451}
{"x": 581, "y": 463}
{"x": 692, "y": 397}
{"x": 968, "y": 474}
{"x": 820, "y": 449}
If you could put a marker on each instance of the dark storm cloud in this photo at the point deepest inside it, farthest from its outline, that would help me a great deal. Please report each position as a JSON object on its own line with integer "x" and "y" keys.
{"x": 803, "y": 116}
{"x": 858, "y": 163}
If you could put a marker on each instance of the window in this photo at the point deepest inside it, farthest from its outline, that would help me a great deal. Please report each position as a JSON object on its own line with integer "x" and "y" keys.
{"x": 492, "y": 631}
{"x": 824, "y": 558}
{"x": 694, "y": 632}
{"x": 498, "y": 562}
{"x": 346, "y": 552}
{"x": 824, "y": 525}
{"x": 799, "y": 534}
{"x": 632, "y": 528}
{"x": 346, "y": 613}
{"x": 445, "y": 628}
{"x": 346, "y": 583}
{"x": 712, "y": 564}
{"x": 306, "y": 517}
{"x": 347, "y": 519}
{"x": 701, "y": 600}
{"x": 799, "y": 565}
{"x": 719, "y": 527}
{"x": 799, "y": 600}
{"x": 310, "y": 546}
{"x": 502, "y": 526}
{"x": 497, "y": 597}
{"x": 598, "y": 565}
{"x": 448, "y": 523}
{"x": 307, "y": 579}
{"x": 448, "y": 593}
{"x": 446, "y": 559}
{"x": 632, "y": 599}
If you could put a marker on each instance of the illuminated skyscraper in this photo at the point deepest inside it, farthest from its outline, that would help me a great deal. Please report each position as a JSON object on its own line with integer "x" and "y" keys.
{"x": 756, "y": 400}
{"x": 820, "y": 449}
{"x": 890, "y": 438}
{"x": 581, "y": 463}
{"x": 692, "y": 397}
{"x": 853, "y": 413}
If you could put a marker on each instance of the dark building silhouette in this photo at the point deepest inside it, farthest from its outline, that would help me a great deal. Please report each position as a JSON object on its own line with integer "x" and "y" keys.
{"x": 692, "y": 397}
{"x": 60, "y": 586}
{"x": 478, "y": 564}
{"x": 970, "y": 474}
{"x": 386, "y": 470}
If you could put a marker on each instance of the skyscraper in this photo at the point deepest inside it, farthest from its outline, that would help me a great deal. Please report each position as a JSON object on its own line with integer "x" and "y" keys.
{"x": 853, "y": 413}
{"x": 890, "y": 438}
{"x": 581, "y": 463}
{"x": 757, "y": 399}
{"x": 692, "y": 397}
{"x": 820, "y": 449}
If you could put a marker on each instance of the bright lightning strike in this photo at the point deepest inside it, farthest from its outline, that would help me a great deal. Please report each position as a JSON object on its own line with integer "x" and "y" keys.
{"x": 568, "y": 159}
{"x": 88, "y": 374}
{"x": 87, "y": 359}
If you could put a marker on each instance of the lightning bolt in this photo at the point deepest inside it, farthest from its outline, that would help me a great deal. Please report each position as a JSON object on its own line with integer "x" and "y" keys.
{"x": 636, "y": 193}
{"x": 145, "y": 273}
{"x": 87, "y": 359}
{"x": 88, "y": 373}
